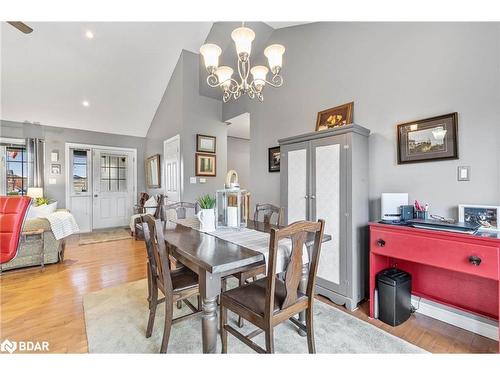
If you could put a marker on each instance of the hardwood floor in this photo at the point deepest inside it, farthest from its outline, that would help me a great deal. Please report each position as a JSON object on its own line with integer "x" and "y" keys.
{"x": 47, "y": 306}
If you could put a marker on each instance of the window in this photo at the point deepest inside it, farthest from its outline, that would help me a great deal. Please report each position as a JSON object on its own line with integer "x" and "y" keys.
{"x": 113, "y": 173}
{"x": 17, "y": 170}
{"x": 80, "y": 167}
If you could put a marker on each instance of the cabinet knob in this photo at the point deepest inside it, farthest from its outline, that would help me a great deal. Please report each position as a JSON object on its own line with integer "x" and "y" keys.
{"x": 313, "y": 197}
{"x": 380, "y": 242}
{"x": 306, "y": 197}
{"x": 474, "y": 260}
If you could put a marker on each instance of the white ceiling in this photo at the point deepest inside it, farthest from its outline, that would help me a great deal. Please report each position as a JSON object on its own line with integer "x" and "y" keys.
{"x": 239, "y": 126}
{"x": 122, "y": 72}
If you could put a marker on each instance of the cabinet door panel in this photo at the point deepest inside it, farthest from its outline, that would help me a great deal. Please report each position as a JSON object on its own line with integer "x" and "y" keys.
{"x": 328, "y": 176}
{"x": 296, "y": 175}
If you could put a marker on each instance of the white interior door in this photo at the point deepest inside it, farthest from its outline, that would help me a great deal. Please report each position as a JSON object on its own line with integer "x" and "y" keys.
{"x": 172, "y": 170}
{"x": 113, "y": 188}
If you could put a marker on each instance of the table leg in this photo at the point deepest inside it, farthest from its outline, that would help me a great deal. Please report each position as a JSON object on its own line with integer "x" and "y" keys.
{"x": 210, "y": 286}
{"x": 303, "y": 289}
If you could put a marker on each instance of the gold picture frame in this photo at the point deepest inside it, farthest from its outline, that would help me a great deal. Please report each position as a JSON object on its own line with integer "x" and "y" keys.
{"x": 205, "y": 164}
{"x": 335, "y": 117}
{"x": 153, "y": 172}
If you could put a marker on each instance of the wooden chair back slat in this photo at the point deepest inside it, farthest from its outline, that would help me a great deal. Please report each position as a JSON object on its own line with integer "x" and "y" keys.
{"x": 267, "y": 211}
{"x": 298, "y": 233}
{"x": 157, "y": 253}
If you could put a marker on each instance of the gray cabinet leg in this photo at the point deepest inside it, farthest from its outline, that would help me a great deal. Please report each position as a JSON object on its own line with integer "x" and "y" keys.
{"x": 303, "y": 289}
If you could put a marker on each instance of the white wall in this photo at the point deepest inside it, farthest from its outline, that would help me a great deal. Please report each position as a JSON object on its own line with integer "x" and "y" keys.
{"x": 238, "y": 158}
{"x": 184, "y": 111}
{"x": 394, "y": 72}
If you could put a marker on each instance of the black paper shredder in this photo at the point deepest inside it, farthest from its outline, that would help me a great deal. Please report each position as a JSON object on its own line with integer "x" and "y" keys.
{"x": 394, "y": 296}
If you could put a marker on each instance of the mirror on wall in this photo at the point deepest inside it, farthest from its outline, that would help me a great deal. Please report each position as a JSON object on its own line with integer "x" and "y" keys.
{"x": 153, "y": 171}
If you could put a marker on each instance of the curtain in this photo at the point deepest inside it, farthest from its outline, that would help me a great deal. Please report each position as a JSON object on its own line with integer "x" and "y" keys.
{"x": 35, "y": 150}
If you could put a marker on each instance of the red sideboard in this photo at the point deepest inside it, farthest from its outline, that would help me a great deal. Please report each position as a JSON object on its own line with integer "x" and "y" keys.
{"x": 454, "y": 269}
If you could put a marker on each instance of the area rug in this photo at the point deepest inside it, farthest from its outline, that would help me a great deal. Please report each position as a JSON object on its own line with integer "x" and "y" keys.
{"x": 104, "y": 236}
{"x": 116, "y": 320}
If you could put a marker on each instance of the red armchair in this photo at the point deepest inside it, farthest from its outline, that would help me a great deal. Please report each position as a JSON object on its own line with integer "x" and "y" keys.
{"x": 12, "y": 213}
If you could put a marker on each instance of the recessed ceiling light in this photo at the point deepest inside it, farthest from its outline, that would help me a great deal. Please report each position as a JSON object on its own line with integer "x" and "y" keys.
{"x": 85, "y": 103}
{"x": 89, "y": 34}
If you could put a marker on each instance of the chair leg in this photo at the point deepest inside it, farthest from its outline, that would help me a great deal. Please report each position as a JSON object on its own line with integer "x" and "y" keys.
{"x": 270, "y": 340}
{"x": 199, "y": 302}
{"x": 148, "y": 273}
{"x": 223, "y": 332}
{"x": 310, "y": 331}
{"x": 168, "y": 326}
{"x": 152, "y": 309}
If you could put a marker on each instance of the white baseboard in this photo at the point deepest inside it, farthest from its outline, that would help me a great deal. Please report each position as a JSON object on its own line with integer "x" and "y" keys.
{"x": 481, "y": 326}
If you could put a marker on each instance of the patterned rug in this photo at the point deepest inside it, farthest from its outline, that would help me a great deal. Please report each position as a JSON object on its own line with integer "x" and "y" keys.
{"x": 104, "y": 236}
{"x": 116, "y": 320}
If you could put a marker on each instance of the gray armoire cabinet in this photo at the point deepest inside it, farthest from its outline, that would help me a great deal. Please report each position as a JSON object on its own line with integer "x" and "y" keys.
{"x": 324, "y": 175}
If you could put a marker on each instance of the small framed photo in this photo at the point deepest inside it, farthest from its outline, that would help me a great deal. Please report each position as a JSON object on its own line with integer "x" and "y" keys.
{"x": 205, "y": 143}
{"x": 274, "y": 158}
{"x": 486, "y": 216}
{"x": 335, "y": 117}
{"x": 205, "y": 164}
{"x": 55, "y": 169}
{"x": 430, "y": 139}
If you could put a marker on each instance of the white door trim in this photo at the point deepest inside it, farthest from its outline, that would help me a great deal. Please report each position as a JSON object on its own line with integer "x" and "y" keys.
{"x": 69, "y": 145}
{"x": 181, "y": 166}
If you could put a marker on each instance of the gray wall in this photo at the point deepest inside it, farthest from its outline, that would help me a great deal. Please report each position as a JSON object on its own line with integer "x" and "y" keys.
{"x": 184, "y": 111}
{"x": 394, "y": 72}
{"x": 238, "y": 158}
{"x": 55, "y": 139}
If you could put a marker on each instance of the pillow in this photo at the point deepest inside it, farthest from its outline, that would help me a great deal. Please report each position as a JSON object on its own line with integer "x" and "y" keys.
{"x": 151, "y": 202}
{"x": 41, "y": 211}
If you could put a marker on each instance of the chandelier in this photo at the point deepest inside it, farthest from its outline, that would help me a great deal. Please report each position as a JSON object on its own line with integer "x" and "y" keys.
{"x": 221, "y": 76}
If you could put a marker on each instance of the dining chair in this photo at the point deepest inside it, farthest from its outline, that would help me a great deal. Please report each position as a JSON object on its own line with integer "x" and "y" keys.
{"x": 176, "y": 285}
{"x": 268, "y": 211}
{"x": 138, "y": 218}
{"x": 183, "y": 210}
{"x": 270, "y": 301}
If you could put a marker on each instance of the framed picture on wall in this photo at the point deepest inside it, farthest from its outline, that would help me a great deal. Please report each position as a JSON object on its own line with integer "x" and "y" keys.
{"x": 430, "y": 139}
{"x": 274, "y": 158}
{"x": 206, "y": 143}
{"x": 153, "y": 172}
{"x": 205, "y": 164}
{"x": 335, "y": 117}
{"x": 486, "y": 216}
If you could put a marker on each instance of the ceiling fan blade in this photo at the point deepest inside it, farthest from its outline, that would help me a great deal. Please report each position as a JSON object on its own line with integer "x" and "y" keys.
{"x": 21, "y": 26}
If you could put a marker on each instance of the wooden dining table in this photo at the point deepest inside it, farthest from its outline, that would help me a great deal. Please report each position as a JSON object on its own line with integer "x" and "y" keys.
{"x": 213, "y": 258}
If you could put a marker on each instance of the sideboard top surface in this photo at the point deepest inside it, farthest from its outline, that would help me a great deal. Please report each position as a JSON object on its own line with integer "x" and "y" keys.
{"x": 353, "y": 128}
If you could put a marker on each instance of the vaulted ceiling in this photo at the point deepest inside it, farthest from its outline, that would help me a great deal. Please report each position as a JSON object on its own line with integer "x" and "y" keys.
{"x": 106, "y": 77}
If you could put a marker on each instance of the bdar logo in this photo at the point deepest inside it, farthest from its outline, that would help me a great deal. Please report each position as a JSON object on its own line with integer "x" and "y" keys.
{"x": 8, "y": 346}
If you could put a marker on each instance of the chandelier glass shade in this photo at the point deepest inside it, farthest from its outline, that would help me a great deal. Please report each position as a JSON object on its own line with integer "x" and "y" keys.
{"x": 222, "y": 76}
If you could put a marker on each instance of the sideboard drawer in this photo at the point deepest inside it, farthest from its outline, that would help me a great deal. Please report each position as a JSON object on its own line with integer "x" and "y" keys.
{"x": 461, "y": 256}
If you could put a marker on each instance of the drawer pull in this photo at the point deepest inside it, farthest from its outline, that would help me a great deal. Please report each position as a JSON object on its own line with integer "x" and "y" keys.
{"x": 474, "y": 260}
{"x": 380, "y": 242}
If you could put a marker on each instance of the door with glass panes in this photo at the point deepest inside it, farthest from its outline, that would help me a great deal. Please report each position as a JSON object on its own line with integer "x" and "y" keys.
{"x": 113, "y": 188}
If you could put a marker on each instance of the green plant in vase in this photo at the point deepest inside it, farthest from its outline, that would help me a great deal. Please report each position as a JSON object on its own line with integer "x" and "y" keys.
{"x": 206, "y": 202}
{"x": 206, "y": 216}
